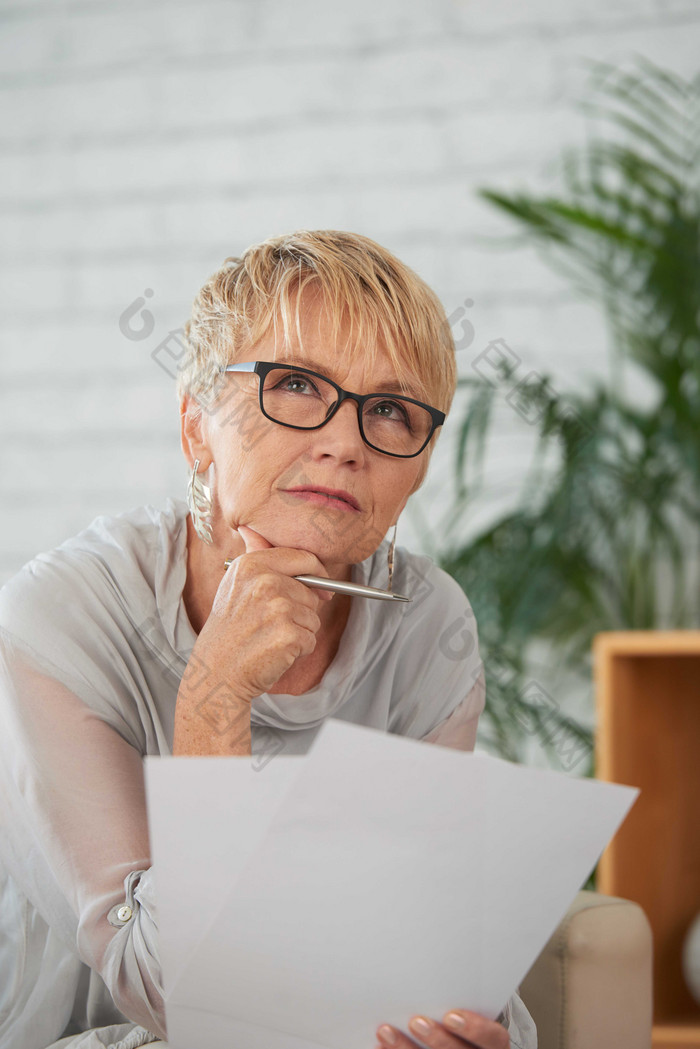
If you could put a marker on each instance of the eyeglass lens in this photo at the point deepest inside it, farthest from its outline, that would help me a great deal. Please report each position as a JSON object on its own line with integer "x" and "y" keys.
{"x": 389, "y": 423}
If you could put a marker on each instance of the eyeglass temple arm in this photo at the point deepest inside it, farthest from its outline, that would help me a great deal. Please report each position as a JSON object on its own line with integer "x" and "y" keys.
{"x": 248, "y": 366}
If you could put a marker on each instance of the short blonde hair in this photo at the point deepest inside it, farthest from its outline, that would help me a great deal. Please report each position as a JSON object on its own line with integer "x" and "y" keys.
{"x": 386, "y": 303}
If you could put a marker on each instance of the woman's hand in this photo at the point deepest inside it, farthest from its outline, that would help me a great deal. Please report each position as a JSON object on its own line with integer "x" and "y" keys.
{"x": 459, "y": 1028}
{"x": 262, "y": 619}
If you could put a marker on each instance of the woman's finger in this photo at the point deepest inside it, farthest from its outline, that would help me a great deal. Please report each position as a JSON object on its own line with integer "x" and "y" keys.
{"x": 256, "y": 543}
{"x": 437, "y": 1037}
{"x": 476, "y": 1030}
{"x": 460, "y": 1028}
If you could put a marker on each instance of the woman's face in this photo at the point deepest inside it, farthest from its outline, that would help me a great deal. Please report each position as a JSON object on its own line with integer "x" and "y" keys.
{"x": 274, "y": 478}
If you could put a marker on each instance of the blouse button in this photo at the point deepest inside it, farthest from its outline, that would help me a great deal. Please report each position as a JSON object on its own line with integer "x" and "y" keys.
{"x": 124, "y": 913}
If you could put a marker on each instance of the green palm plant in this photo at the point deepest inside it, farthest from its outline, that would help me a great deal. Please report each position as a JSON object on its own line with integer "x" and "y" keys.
{"x": 610, "y": 538}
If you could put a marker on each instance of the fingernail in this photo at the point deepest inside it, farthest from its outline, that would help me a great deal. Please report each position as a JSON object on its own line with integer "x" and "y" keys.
{"x": 387, "y": 1035}
{"x": 421, "y": 1026}
{"x": 455, "y": 1019}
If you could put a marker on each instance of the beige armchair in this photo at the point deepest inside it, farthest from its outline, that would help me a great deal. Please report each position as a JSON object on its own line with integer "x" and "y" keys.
{"x": 591, "y": 987}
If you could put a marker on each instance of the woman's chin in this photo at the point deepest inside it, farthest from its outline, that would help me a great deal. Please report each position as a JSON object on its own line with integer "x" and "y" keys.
{"x": 331, "y": 551}
{"x": 337, "y": 540}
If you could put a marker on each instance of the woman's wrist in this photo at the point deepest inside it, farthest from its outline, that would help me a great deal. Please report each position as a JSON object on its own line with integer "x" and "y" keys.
{"x": 210, "y": 719}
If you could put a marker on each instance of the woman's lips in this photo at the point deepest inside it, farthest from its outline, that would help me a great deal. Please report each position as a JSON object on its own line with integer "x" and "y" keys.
{"x": 327, "y": 497}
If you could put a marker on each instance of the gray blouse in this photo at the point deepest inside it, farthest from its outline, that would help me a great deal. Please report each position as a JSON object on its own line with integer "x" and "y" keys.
{"x": 94, "y": 640}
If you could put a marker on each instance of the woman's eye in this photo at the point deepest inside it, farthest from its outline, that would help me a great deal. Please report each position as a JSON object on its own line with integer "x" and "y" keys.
{"x": 394, "y": 411}
{"x": 297, "y": 384}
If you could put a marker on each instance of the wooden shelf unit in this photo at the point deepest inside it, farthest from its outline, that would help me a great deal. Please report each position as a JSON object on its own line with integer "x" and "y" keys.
{"x": 647, "y": 687}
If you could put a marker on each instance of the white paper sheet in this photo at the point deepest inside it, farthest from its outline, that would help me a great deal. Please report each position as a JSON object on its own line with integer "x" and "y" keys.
{"x": 211, "y": 815}
{"x": 376, "y": 877}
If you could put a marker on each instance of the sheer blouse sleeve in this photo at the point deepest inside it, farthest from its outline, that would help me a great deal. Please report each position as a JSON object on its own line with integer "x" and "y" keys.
{"x": 74, "y": 832}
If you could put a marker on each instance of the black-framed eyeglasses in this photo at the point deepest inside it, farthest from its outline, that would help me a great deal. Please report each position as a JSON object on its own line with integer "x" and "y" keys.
{"x": 306, "y": 400}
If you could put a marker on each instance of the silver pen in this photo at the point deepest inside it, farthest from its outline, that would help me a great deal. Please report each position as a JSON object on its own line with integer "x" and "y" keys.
{"x": 353, "y": 589}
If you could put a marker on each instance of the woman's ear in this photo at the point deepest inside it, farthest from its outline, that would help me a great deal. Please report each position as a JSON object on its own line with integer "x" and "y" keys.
{"x": 193, "y": 437}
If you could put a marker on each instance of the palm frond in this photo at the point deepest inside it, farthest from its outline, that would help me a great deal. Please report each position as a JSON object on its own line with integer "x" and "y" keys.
{"x": 604, "y": 541}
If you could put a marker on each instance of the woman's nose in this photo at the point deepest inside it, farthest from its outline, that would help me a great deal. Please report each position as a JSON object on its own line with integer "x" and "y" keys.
{"x": 341, "y": 436}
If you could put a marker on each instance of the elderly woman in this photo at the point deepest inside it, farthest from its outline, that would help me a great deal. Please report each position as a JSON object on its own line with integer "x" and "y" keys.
{"x": 317, "y": 374}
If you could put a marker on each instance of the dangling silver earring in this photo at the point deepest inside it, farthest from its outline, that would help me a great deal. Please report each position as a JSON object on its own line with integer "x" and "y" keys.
{"x": 199, "y": 503}
{"x": 390, "y": 558}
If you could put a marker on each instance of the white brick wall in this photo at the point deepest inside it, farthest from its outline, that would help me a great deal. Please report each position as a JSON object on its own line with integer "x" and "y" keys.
{"x": 144, "y": 141}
